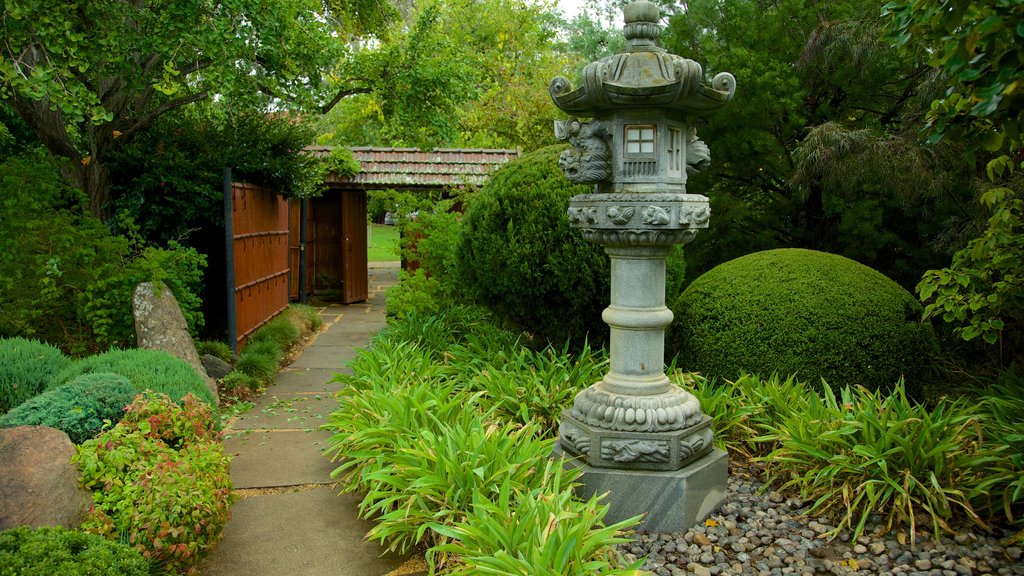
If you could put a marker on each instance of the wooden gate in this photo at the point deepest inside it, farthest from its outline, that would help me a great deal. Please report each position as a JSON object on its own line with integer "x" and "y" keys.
{"x": 259, "y": 249}
{"x": 338, "y": 256}
{"x": 355, "y": 280}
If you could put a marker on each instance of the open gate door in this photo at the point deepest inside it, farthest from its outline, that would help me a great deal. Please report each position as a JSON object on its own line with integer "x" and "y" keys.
{"x": 355, "y": 276}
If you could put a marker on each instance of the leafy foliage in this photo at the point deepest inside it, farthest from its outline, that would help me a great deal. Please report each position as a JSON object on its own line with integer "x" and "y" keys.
{"x": 260, "y": 360}
{"x": 800, "y": 312}
{"x": 27, "y": 368}
{"x": 859, "y": 452}
{"x": 69, "y": 281}
{"x": 976, "y": 46}
{"x": 982, "y": 291}
{"x": 215, "y": 348}
{"x": 80, "y": 408}
{"x": 526, "y": 386}
{"x": 545, "y": 531}
{"x": 86, "y": 94}
{"x": 57, "y": 550}
{"x": 998, "y": 487}
{"x": 432, "y": 450}
{"x": 160, "y": 477}
{"x": 820, "y": 148}
{"x": 519, "y": 257}
{"x": 153, "y": 370}
{"x": 169, "y": 179}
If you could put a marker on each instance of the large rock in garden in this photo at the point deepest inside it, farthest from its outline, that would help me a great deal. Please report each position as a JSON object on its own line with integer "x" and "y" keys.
{"x": 813, "y": 314}
{"x": 38, "y": 483}
{"x": 160, "y": 325}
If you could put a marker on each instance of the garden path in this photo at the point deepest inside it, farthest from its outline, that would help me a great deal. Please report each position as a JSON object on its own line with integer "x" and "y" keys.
{"x": 290, "y": 520}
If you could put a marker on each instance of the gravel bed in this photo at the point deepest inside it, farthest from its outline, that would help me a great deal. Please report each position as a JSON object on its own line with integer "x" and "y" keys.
{"x": 768, "y": 535}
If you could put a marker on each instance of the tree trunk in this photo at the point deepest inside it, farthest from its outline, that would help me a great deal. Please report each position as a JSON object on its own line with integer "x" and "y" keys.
{"x": 93, "y": 178}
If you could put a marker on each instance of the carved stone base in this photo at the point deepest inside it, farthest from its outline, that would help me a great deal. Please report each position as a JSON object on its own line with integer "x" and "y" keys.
{"x": 625, "y": 450}
{"x": 670, "y": 501}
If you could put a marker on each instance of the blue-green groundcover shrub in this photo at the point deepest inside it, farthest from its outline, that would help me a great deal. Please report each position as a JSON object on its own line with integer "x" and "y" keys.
{"x": 146, "y": 370}
{"x": 519, "y": 257}
{"x": 59, "y": 551}
{"x": 805, "y": 313}
{"x": 79, "y": 408}
{"x": 27, "y": 367}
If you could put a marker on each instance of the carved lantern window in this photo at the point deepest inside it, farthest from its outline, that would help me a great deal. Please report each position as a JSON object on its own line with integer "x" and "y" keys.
{"x": 675, "y": 151}
{"x": 640, "y": 141}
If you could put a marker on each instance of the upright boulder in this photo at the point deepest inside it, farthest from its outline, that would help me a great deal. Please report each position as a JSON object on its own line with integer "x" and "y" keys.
{"x": 38, "y": 483}
{"x": 160, "y": 325}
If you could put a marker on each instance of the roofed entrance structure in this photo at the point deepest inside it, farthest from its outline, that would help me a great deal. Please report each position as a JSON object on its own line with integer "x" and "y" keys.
{"x": 335, "y": 240}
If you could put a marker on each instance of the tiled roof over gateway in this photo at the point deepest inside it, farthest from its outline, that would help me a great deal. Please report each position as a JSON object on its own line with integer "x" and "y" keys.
{"x": 414, "y": 168}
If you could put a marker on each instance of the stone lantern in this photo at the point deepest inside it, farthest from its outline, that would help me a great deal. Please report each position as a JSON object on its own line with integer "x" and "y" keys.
{"x": 636, "y": 434}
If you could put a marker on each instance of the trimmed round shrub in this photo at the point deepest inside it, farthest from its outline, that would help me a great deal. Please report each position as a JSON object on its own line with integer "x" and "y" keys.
{"x": 27, "y": 367}
{"x": 78, "y": 407}
{"x": 812, "y": 314}
{"x": 519, "y": 257}
{"x": 56, "y": 550}
{"x": 147, "y": 370}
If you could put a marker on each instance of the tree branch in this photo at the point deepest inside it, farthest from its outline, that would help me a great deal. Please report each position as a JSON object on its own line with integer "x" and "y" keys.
{"x": 341, "y": 95}
{"x": 160, "y": 110}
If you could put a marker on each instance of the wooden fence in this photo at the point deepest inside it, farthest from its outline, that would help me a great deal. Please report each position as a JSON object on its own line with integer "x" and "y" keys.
{"x": 259, "y": 250}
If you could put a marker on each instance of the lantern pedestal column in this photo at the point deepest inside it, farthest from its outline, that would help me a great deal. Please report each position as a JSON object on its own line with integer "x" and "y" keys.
{"x": 635, "y": 434}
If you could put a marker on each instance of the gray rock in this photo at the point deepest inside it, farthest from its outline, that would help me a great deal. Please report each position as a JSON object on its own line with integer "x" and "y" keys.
{"x": 38, "y": 483}
{"x": 160, "y": 325}
{"x": 215, "y": 367}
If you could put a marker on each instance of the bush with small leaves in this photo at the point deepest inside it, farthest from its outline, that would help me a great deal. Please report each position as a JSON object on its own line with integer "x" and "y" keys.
{"x": 27, "y": 367}
{"x": 79, "y": 408}
{"x": 147, "y": 370}
{"x": 159, "y": 478}
{"x": 805, "y": 313}
{"x": 58, "y": 551}
{"x": 518, "y": 255}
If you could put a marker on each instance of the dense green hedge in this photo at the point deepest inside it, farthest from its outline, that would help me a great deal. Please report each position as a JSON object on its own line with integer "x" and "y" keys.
{"x": 801, "y": 312}
{"x": 519, "y": 257}
{"x": 67, "y": 279}
{"x": 78, "y": 407}
{"x": 27, "y": 367}
{"x": 146, "y": 370}
{"x": 58, "y": 551}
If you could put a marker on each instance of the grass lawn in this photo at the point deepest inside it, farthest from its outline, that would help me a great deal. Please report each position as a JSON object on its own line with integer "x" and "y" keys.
{"x": 382, "y": 244}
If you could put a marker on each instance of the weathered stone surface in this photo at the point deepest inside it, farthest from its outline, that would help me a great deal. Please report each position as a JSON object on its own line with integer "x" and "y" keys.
{"x": 160, "y": 325}
{"x": 215, "y": 367}
{"x": 38, "y": 482}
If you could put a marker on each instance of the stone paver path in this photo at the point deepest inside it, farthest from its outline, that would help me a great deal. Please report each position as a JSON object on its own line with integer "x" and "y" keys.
{"x": 290, "y": 520}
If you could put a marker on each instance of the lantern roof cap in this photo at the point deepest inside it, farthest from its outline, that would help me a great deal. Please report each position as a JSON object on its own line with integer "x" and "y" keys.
{"x": 642, "y": 75}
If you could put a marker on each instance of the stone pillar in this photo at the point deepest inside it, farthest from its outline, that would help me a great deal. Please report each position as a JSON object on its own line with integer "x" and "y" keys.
{"x": 635, "y": 434}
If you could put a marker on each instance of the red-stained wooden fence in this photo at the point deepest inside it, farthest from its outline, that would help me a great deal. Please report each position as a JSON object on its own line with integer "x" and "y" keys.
{"x": 260, "y": 252}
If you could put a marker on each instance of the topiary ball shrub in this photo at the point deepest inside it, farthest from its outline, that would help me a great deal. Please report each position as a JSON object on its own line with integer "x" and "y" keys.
{"x": 519, "y": 257}
{"x": 812, "y": 314}
{"x": 27, "y": 367}
{"x": 78, "y": 407}
{"x": 147, "y": 370}
{"x": 56, "y": 550}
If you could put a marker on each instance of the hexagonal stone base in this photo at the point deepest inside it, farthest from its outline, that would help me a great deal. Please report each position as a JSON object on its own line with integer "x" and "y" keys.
{"x": 670, "y": 501}
{"x": 665, "y": 451}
